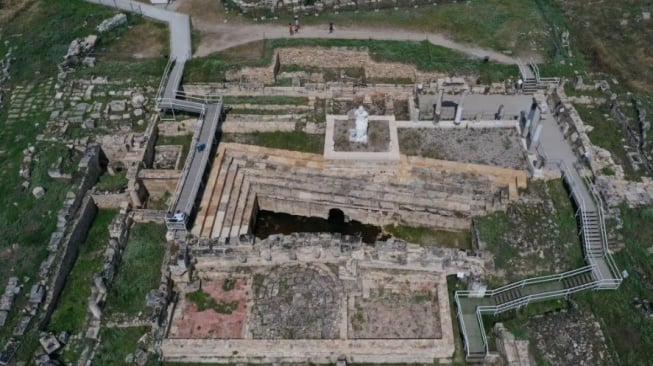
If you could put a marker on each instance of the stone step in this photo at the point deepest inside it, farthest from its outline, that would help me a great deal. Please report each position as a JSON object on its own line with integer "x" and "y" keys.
{"x": 233, "y": 203}
{"x": 208, "y": 195}
{"x": 395, "y": 199}
{"x": 225, "y": 198}
{"x": 372, "y": 190}
{"x": 239, "y": 213}
{"x": 250, "y": 206}
{"x": 209, "y": 222}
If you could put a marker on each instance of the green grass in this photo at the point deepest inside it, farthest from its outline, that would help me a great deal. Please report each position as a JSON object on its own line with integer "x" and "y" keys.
{"x": 550, "y": 227}
{"x": 423, "y": 55}
{"x": 204, "y": 302}
{"x": 117, "y": 343}
{"x": 112, "y": 183}
{"x": 505, "y": 23}
{"x": 139, "y": 271}
{"x": 295, "y": 140}
{"x": 183, "y": 140}
{"x": 228, "y": 284}
{"x": 431, "y": 237}
{"x": 603, "y": 135}
{"x": 628, "y": 330}
{"x": 265, "y": 99}
{"x": 71, "y": 310}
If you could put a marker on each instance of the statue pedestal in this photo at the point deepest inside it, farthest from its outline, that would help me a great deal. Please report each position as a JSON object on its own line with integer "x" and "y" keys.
{"x": 353, "y": 137}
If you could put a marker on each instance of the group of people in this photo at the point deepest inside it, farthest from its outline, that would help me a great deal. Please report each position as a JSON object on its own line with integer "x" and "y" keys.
{"x": 293, "y": 27}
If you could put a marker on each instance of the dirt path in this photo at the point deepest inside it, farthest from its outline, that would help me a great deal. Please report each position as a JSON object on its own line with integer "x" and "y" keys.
{"x": 221, "y": 30}
{"x": 218, "y": 37}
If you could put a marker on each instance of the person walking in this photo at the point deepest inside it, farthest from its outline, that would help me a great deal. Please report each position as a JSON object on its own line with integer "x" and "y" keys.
{"x": 330, "y": 27}
{"x": 290, "y": 28}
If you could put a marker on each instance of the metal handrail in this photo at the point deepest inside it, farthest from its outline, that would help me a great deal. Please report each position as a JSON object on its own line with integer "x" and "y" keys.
{"x": 536, "y": 70}
{"x": 187, "y": 163}
{"x": 202, "y": 98}
{"x": 462, "y": 321}
{"x": 204, "y": 159}
{"x": 604, "y": 237}
{"x": 524, "y": 300}
{"x": 164, "y": 79}
{"x": 481, "y": 326}
{"x": 533, "y": 280}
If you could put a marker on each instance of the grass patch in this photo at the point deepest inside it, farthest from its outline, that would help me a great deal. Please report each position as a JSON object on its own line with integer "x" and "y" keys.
{"x": 183, "y": 140}
{"x": 431, "y": 237}
{"x": 228, "y": 284}
{"x": 423, "y": 55}
{"x": 295, "y": 140}
{"x": 603, "y": 135}
{"x": 265, "y": 99}
{"x": 70, "y": 313}
{"x": 628, "y": 329}
{"x": 117, "y": 343}
{"x": 112, "y": 183}
{"x": 140, "y": 269}
{"x": 506, "y": 25}
{"x": 535, "y": 238}
{"x": 204, "y": 301}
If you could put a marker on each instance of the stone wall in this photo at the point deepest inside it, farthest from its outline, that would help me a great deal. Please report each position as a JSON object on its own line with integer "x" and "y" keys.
{"x": 110, "y": 201}
{"x": 333, "y": 58}
{"x": 159, "y": 181}
{"x": 71, "y": 244}
{"x": 326, "y": 247}
{"x": 303, "y": 7}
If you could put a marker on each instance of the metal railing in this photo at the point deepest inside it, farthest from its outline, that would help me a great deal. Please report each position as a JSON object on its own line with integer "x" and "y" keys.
{"x": 481, "y": 326}
{"x": 197, "y": 180}
{"x": 187, "y": 163}
{"x": 598, "y": 281}
{"x": 525, "y": 300}
{"x": 462, "y": 322}
{"x": 616, "y": 274}
{"x": 164, "y": 80}
{"x": 187, "y": 106}
{"x": 535, "y": 69}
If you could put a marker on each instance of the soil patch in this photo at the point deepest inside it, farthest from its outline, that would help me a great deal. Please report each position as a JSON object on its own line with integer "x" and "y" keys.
{"x": 378, "y": 136}
{"x": 491, "y": 146}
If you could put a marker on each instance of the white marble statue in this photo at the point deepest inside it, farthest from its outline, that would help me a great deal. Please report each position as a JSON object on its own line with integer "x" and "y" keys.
{"x": 360, "y": 134}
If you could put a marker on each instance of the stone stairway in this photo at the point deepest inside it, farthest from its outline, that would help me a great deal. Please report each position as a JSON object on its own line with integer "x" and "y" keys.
{"x": 246, "y": 177}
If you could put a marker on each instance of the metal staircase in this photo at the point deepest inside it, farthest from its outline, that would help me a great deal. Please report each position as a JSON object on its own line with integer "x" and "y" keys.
{"x": 600, "y": 273}
{"x": 530, "y": 75}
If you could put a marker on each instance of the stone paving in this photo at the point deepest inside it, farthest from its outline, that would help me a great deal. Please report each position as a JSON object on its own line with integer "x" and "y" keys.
{"x": 296, "y": 302}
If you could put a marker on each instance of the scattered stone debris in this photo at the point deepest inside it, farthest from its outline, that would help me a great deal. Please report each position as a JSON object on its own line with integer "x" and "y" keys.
{"x": 644, "y": 305}
{"x": 49, "y": 342}
{"x": 111, "y": 23}
{"x": 38, "y": 192}
{"x": 7, "y": 299}
{"x": 569, "y": 337}
{"x": 77, "y": 50}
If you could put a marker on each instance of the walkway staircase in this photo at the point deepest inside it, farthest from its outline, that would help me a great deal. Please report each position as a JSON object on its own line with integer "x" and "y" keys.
{"x": 209, "y": 110}
{"x": 601, "y": 273}
{"x": 530, "y": 75}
